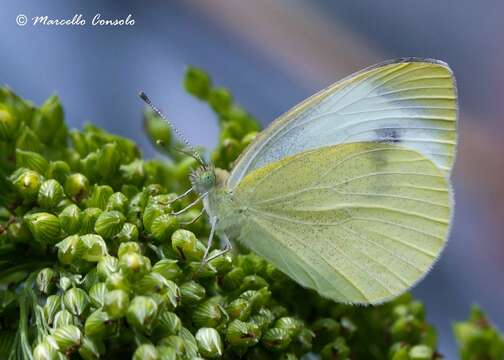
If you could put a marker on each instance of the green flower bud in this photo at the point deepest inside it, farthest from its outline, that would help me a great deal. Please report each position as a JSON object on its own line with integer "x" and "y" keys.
{"x": 200, "y": 271}
{"x": 28, "y": 140}
{"x": 233, "y": 279}
{"x": 158, "y": 130}
{"x": 90, "y": 279}
{"x": 197, "y": 82}
{"x": 257, "y": 298}
{"x": 70, "y": 219}
{"x": 76, "y": 301}
{"x": 174, "y": 342}
{"x": 99, "y": 196}
{"x": 19, "y": 232}
{"x": 248, "y": 138}
{"x": 406, "y": 329}
{"x": 141, "y": 312}
{"x": 50, "y": 194}
{"x": 168, "y": 323}
{"x": 146, "y": 352}
{"x": 150, "y": 213}
{"x": 109, "y": 224}
{"x": 92, "y": 247}
{"x": 118, "y": 280}
{"x": 190, "y": 343}
{"x": 88, "y": 219}
{"x": 45, "y": 351}
{"x": 222, "y": 264}
{"x": 51, "y": 307}
{"x": 79, "y": 142}
{"x": 68, "y": 249}
{"x": 65, "y": 283}
{"x": 58, "y": 170}
{"x": 251, "y": 264}
{"x": 263, "y": 319}
{"x": 239, "y": 309}
{"x": 49, "y": 124}
{"x": 242, "y": 334}
{"x": 209, "y": 342}
{"x": 108, "y": 161}
{"x": 98, "y": 324}
{"x": 31, "y": 160}
{"x": 208, "y": 314}
{"x": 231, "y": 130}
{"x": 292, "y": 325}
{"x": 192, "y": 292}
{"x": 91, "y": 349}
{"x": 117, "y": 201}
{"x": 151, "y": 283}
{"x": 185, "y": 244}
{"x": 421, "y": 352}
{"x": 46, "y": 280}
{"x": 97, "y": 294}
{"x": 90, "y": 166}
{"x": 62, "y": 318}
{"x": 168, "y": 353}
{"x": 44, "y": 227}
{"x": 168, "y": 268}
{"x": 128, "y": 233}
{"x": 128, "y": 247}
{"x": 304, "y": 341}
{"x": 107, "y": 266}
{"x": 9, "y": 123}
{"x": 253, "y": 282}
{"x": 68, "y": 338}
{"x": 77, "y": 187}
{"x": 336, "y": 349}
{"x": 276, "y": 339}
{"x": 116, "y": 303}
{"x": 163, "y": 227}
{"x": 134, "y": 265}
{"x": 27, "y": 183}
{"x": 133, "y": 173}
{"x": 279, "y": 311}
{"x": 172, "y": 294}
{"x": 220, "y": 100}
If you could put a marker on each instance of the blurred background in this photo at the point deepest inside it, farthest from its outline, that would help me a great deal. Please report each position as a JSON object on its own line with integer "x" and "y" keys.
{"x": 273, "y": 54}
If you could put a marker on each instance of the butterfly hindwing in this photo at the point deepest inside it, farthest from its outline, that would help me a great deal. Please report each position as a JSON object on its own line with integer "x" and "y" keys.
{"x": 359, "y": 223}
{"x": 409, "y": 102}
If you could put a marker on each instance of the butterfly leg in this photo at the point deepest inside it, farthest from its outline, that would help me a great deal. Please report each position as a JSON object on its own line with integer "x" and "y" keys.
{"x": 181, "y": 196}
{"x": 227, "y": 247}
{"x": 193, "y": 220}
{"x": 195, "y": 202}
{"x": 213, "y": 224}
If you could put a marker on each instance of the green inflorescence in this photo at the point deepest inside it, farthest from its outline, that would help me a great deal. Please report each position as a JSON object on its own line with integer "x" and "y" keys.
{"x": 94, "y": 265}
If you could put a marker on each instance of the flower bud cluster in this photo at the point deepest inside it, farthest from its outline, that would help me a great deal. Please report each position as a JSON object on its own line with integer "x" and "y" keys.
{"x": 96, "y": 265}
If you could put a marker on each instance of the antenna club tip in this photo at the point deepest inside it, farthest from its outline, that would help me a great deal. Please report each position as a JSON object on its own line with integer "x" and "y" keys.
{"x": 144, "y": 97}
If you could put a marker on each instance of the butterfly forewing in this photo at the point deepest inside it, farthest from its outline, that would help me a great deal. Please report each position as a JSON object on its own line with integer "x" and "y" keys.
{"x": 410, "y": 102}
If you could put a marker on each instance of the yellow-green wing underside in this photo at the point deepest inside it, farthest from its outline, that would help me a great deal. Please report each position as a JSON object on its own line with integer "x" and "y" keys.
{"x": 359, "y": 223}
{"x": 411, "y": 102}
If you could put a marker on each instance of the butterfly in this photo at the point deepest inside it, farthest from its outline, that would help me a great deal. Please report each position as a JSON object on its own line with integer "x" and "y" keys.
{"x": 348, "y": 193}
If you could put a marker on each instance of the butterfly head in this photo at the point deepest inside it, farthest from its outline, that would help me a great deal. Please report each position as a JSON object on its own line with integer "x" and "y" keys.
{"x": 203, "y": 179}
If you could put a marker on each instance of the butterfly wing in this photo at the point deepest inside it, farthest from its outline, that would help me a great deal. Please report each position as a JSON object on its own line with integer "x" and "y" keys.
{"x": 411, "y": 102}
{"x": 359, "y": 223}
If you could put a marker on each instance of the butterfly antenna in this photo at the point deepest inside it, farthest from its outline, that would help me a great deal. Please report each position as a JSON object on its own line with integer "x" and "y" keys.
{"x": 193, "y": 153}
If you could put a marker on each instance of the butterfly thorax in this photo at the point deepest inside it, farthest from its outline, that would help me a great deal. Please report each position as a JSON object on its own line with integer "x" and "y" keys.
{"x": 218, "y": 201}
